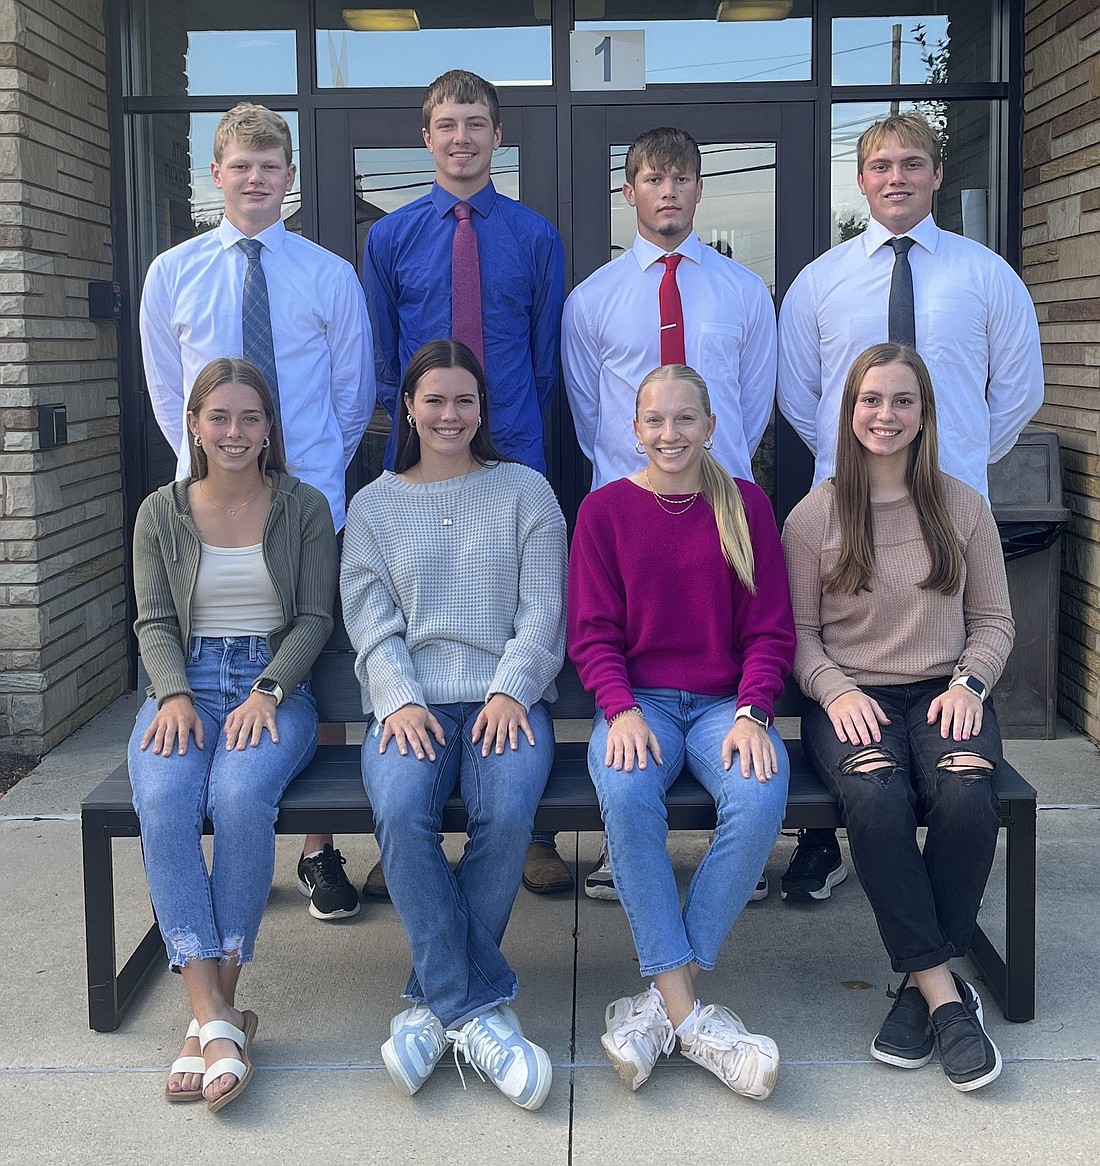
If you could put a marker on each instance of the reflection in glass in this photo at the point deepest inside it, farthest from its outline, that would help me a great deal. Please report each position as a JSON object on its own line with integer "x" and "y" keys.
{"x": 736, "y": 216}
{"x": 690, "y": 47}
{"x": 199, "y": 48}
{"x": 386, "y": 179}
{"x": 508, "y": 44}
{"x": 968, "y": 199}
{"x": 926, "y": 42}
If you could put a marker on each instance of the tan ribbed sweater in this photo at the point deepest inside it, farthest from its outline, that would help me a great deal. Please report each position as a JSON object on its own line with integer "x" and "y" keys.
{"x": 897, "y": 632}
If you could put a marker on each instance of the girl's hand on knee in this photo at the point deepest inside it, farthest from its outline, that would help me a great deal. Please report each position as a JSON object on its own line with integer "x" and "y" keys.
{"x": 175, "y": 723}
{"x": 246, "y": 723}
{"x": 501, "y": 720}
{"x": 412, "y": 726}
{"x": 629, "y": 739}
{"x": 959, "y": 711}
{"x": 756, "y": 749}
{"x": 856, "y": 718}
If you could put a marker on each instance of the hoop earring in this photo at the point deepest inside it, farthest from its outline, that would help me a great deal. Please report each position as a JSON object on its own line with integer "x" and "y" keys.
{"x": 267, "y": 443}
{"x": 197, "y": 440}
{"x": 639, "y": 447}
{"x": 920, "y": 427}
{"x": 411, "y": 420}
{"x": 478, "y": 425}
{"x": 708, "y": 444}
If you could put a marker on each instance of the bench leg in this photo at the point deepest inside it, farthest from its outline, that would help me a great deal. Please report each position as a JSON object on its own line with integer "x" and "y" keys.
{"x": 109, "y": 993}
{"x": 1012, "y": 980}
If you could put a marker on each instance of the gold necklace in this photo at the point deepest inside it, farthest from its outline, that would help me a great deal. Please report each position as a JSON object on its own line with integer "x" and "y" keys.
{"x": 219, "y": 506}
{"x": 666, "y": 502}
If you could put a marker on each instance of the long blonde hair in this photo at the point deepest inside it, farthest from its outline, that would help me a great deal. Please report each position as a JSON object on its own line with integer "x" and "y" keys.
{"x": 856, "y": 564}
{"x": 718, "y": 487}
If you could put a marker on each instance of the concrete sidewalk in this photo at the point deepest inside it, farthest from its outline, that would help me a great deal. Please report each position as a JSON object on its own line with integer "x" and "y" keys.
{"x": 325, "y": 993}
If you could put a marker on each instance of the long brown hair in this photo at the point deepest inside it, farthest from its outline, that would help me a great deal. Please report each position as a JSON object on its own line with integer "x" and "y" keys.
{"x": 234, "y": 370}
{"x": 718, "y": 487}
{"x": 856, "y": 564}
{"x": 442, "y": 354}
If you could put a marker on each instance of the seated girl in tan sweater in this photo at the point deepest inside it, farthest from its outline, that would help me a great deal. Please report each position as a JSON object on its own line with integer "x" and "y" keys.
{"x": 901, "y": 606}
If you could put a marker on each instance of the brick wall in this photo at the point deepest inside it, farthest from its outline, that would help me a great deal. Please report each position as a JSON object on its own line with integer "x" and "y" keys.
{"x": 1062, "y": 269}
{"x": 62, "y": 558}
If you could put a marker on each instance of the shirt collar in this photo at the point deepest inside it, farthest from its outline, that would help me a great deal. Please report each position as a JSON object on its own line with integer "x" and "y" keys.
{"x": 647, "y": 253}
{"x": 482, "y": 202}
{"x": 926, "y": 233}
{"x": 272, "y": 237}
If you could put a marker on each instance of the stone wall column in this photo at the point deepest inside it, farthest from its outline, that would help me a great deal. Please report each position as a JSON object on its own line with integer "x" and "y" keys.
{"x": 63, "y": 637}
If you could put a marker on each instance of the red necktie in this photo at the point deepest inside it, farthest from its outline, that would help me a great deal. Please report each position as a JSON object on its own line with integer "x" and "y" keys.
{"x": 466, "y": 284}
{"x": 672, "y": 314}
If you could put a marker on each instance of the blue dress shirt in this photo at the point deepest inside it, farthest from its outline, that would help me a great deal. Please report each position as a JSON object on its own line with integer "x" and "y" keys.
{"x": 407, "y": 278}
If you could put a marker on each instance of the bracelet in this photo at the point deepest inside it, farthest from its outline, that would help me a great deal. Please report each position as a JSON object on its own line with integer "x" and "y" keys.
{"x": 626, "y": 712}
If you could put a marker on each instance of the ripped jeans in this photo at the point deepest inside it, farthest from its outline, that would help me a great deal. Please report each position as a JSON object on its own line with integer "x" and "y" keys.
{"x": 216, "y": 914}
{"x": 925, "y": 903}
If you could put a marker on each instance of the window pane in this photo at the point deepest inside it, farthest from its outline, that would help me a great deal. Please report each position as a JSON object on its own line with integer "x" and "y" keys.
{"x": 689, "y": 46}
{"x": 923, "y": 43}
{"x": 196, "y": 48}
{"x": 968, "y": 201}
{"x": 386, "y": 179}
{"x": 508, "y": 44}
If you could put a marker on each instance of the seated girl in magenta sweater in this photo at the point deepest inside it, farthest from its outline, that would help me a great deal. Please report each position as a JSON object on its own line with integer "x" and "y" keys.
{"x": 680, "y": 624}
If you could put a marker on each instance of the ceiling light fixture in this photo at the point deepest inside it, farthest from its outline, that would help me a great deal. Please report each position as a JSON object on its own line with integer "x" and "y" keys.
{"x": 753, "y": 10}
{"x": 382, "y": 19}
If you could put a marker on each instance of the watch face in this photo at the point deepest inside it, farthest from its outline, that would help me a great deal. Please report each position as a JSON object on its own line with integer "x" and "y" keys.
{"x": 268, "y": 686}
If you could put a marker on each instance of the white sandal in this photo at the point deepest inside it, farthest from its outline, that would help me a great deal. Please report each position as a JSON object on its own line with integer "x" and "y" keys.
{"x": 241, "y": 1068}
{"x": 186, "y": 1065}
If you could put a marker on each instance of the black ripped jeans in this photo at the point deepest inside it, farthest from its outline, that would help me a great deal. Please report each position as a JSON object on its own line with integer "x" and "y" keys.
{"x": 925, "y": 903}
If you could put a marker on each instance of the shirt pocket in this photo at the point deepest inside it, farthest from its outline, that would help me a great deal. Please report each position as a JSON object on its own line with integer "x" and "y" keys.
{"x": 720, "y": 353}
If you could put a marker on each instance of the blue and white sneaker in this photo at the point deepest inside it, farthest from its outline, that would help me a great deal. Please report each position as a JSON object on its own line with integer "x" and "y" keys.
{"x": 496, "y": 1047}
{"x": 416, "y": 1043}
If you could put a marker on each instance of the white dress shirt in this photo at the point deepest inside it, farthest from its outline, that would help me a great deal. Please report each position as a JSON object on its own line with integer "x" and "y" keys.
{"x": 610, "y": 339}
{"x": 191, "y": 314}
{"x": 976, "y": 330}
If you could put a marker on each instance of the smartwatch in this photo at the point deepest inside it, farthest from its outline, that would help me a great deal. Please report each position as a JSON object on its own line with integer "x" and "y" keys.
{"x": 973, "y": 683}
{"x": 269, "y": 687}
{"x": 755, "y": 713}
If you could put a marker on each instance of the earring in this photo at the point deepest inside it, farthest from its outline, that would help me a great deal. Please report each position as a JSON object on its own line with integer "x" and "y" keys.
{"x": 197, "y": 440}
{"x": 708, "y": 444}
{"x": 411, "y": 420}
{"x": 639, "y": 447}
{"x": 478, "y": 425}
{"x": 920, "y": 427}
{"x": 267, "y": 442}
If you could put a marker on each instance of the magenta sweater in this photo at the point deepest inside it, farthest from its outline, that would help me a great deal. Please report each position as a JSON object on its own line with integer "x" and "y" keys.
{"x": 653, "y": 604}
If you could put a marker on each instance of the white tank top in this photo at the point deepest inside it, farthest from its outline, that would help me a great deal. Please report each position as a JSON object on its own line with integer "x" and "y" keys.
{"x": 234, "y": 595}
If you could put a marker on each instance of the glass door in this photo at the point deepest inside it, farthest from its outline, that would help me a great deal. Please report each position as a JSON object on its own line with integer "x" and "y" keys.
{"x": 757, "y": 207}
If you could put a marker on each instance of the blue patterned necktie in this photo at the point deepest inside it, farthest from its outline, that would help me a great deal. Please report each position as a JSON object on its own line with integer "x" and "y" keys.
{"x": 902, "y": 317}
{"x": 256, "y": 318}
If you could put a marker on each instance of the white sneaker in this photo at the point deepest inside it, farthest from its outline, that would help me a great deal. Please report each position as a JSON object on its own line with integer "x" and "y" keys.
{"x": 638, "y": 1031}
{"x": 496, "y": 1047}
{"x": 416, "y": 1043}
{"x": 600, "y": 882}
{"x": 760, "y": 892}
{"x": 717, "y": 1040}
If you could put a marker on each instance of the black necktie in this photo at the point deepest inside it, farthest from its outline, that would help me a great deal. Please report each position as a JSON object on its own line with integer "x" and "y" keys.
{"x": 902, "y": 325}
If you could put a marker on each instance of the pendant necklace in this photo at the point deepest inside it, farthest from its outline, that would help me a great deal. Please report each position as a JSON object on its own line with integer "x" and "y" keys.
{"x": 448, "y": 519}
{"x": 669, "y": 504}
{"x": 228, "y": 510}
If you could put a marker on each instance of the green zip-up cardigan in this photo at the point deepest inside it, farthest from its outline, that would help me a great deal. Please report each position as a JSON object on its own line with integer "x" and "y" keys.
{"x": 299, "y": 549}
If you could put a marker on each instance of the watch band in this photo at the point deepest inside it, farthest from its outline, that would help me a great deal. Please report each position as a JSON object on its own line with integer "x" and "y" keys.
{"x": 269, "y": 688}
{"x": 973, "y": 683}
{"x": 755, "y": 713}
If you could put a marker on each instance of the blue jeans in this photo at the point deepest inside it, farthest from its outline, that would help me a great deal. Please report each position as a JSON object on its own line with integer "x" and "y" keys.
{"x": 455, "y": 920}
{"x": 925, "y": 902}
{"x": 216, "y": 914}
{"x": 691, "y": 730}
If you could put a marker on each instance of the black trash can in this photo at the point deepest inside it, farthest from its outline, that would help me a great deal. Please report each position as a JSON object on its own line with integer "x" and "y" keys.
{"x": 1025, "y": 492}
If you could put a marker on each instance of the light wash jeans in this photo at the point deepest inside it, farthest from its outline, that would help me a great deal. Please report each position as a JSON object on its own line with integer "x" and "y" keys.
{"x": 455, "y": 920}
{"x": 216, "y": 914}
{"x": 691, "y": 730}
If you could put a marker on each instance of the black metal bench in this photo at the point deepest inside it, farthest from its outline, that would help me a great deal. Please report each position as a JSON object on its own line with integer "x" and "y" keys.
{"x": 329, "y": 797}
